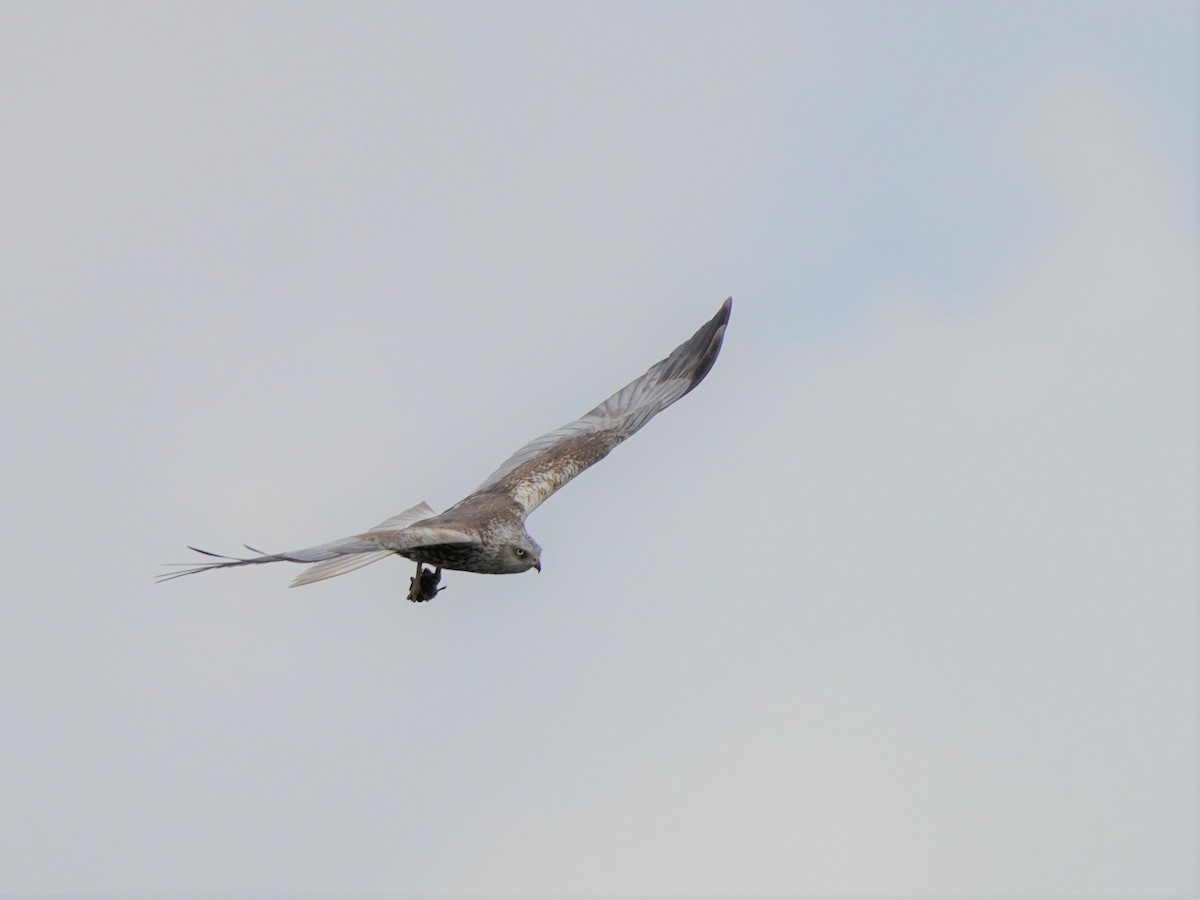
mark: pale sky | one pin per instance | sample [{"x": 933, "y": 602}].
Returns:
[{"x": 901, "y": 601}]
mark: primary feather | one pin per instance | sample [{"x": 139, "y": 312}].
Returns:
[{"x": 333, "y": 558}]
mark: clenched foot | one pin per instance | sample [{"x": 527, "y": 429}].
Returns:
[{"x": 424, "y": 585}]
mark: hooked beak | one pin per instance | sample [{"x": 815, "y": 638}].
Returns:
[{"x": 538, "y": 565}]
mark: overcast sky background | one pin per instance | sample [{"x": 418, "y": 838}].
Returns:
[{"x": 902, "y": 600}]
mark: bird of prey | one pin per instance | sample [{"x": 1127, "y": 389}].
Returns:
[{"x": 485, "y": 531}]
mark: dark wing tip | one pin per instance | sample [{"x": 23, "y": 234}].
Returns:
[{"x": 695, "y": 358}]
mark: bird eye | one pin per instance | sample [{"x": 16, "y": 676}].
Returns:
[{"x": 521, "y": 554}]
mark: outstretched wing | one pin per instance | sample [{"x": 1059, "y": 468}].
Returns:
[
  {"x": 400, "y": 532},
  {"x": 546, "y": 463}
]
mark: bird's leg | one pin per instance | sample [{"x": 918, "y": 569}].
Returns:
[
  {"x": 414, "y": 586},
  {"x": 416, "y": 593},
  {"x": 424, "y": 585}
]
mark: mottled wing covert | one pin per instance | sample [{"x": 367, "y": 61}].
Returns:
[{"x": 548, "y": 462}]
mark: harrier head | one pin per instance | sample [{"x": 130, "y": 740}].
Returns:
[{"x": 522, "y": 554}]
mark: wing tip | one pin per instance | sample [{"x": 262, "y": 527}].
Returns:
[{"x": 704, "y": 347}]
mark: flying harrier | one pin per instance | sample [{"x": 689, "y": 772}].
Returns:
[{"x": 485, "y": 532}]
